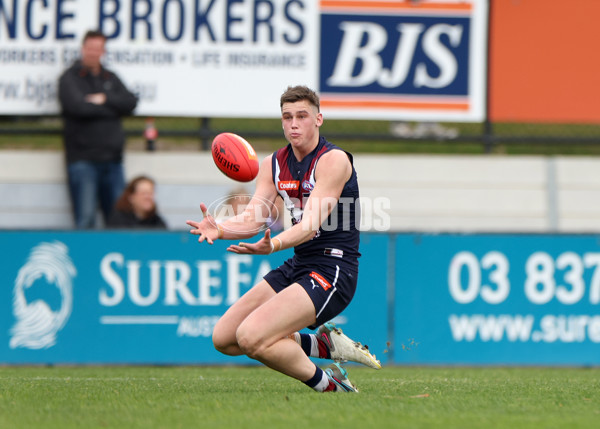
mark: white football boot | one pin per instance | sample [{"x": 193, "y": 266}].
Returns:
[
  {"x": 339, "y": 376},
  {"x": 344, "y": 349}
]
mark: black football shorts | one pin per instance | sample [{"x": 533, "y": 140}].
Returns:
[{"x": 329, "y": 284}]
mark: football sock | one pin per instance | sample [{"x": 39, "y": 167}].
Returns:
[
  {"x": 320, "y": 382},
  {"x": 323, "y": 345},
  {"x": 312, "y": 345}
]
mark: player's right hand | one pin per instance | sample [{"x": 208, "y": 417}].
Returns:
[{"x": 205, "y": 229}]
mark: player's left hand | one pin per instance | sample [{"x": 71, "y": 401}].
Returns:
[{"x": 261, "y": 247}]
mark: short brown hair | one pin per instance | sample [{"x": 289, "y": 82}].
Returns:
[
  {"x": 299, "y": 93},
  {"x": 93, "y": 34}
]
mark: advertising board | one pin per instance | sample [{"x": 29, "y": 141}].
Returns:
[
  {"x": 138, "y": 297},
  {"x": 234, "y": 58},
  {"x": 523, "y": 299},
  {"x": 422, "y": 299}
]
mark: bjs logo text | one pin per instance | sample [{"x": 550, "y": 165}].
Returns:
[{"x": 395, "y": 54}]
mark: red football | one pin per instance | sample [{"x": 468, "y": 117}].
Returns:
[{"x": 235, "y": 157}]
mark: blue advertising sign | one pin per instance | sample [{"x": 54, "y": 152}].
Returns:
[
  {"x": 140, "y": 297},
  {"x": 154, "y": 298},
  {"x": 395, "y": 55},
  {"x": 367, "y": 317},
  {"x": 498, "y": 299},
  {"x": 107, "y": 297}
]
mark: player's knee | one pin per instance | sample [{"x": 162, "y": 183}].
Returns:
[
  {"x": 249, "y": 342},
  {"x": 222, "y": 341},
  {"x": 219, "y": 343}
]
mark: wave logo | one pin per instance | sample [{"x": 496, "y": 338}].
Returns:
[{"x": 37, "y": 324}]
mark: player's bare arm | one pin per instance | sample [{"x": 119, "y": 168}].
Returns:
[
  {"x": 242, "y": 225},
  {"x": 332, "y": 172}
]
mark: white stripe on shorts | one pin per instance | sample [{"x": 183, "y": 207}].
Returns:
[{"x": 337, "y": 272}]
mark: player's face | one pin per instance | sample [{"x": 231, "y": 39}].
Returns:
[
  {"x": 301, "y": 122},
  {"x": 92, "y": 51}
]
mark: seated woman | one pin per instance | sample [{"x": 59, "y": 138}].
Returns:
[{"x": 136, "y": 207}]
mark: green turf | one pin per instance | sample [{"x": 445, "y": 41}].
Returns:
[{"x": 255, "y": 397}]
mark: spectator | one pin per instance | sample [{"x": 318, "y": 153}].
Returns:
[
  {"x": 136, "y": 207},
  {"x": 93, "y": 101}
]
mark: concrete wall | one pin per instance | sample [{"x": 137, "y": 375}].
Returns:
[{"x": 424, "y": 193}]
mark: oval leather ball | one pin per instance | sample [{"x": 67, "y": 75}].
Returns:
[{"x": 235, "y": 157}]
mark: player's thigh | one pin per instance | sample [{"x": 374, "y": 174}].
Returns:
[
  {"x": 289, "y": 311},
  {"x": 224, "y": 333}
]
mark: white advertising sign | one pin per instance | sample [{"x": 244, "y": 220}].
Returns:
[{"x": 233, "y": 58}]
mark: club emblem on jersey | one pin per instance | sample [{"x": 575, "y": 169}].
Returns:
[{"x": 307, "y": 186}]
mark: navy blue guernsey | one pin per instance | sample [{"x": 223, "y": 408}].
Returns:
[{"x": 338, "y": 236}]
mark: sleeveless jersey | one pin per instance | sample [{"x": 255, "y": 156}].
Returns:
[{"x": 338, "y": 236}]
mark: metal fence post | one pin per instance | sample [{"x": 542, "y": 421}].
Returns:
[{"x": 204, "y": 134}]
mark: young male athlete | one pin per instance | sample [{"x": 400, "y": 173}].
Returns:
[{"x": 317, "y": 182}]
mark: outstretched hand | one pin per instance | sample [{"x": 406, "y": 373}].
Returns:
[
  {"x": 261, "y": 247},
  {"x": 206, "y": 229}
]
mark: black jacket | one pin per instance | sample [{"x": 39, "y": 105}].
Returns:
[
  {"x": 93, "y": 132},
  {"x": 121, "y": 219}
]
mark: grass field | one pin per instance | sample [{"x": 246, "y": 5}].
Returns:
[{"x": 255, "y": 397}]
